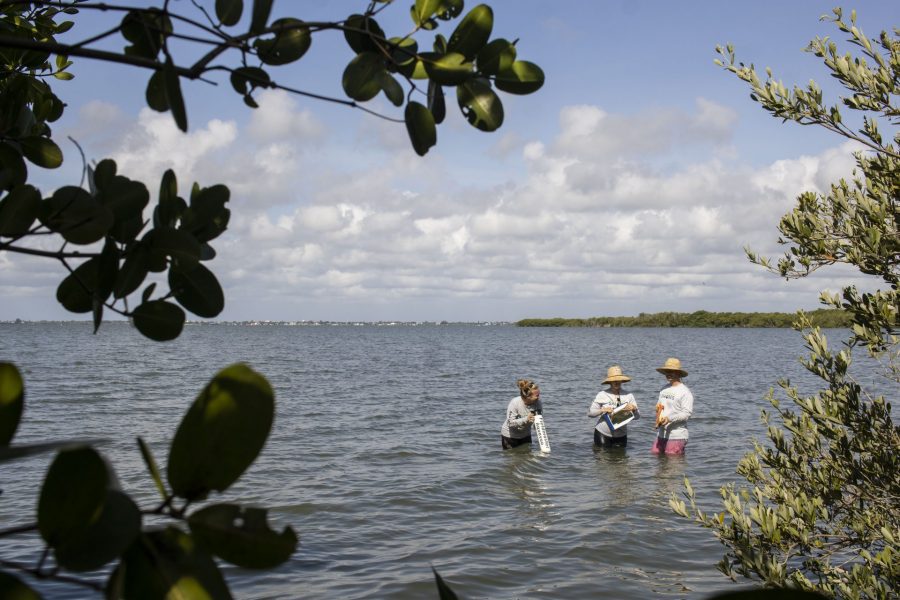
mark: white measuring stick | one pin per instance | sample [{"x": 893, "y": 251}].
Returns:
[{"x": 541, "y": 430}]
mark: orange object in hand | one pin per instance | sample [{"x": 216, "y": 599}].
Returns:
[{"x": 659, "y": 410}]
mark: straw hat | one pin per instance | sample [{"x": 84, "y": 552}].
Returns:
[
  {"x": 614, "y": 373},
  {"x": 672, "y": 364}
]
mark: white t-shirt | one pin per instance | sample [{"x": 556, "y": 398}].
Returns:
[
  {"x": 605, "y": 399},
  {"x": 678, "y": 405}
]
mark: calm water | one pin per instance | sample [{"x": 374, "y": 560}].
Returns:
[{"x": 385, "y": 453}]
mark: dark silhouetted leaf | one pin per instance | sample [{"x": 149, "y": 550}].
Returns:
[
  {"x": 198, "y": 290},
  {"x": 246, "y": 79},
  {"x": 362, "y": 77},
  {"x": 167, "y": 564},
  {"x": 222, "y": 433},
  {"x": 103, "y": 173},
  {"x": 148, "y": 291},
  {"x": 76, "y": 291},
  {"x": 12, "y": 401},
  {"x": 76, "y": 215},
  {"x": 473, "y": 32},
  {"x": 242, "y": 536},
  {"x": 480, "y": 105},
  {"x": 107, "y": 270},
  {"x": 173, "y": 94},
  {"x": 103, "y": 540},
  {"x": 497, "y": 56},
  {"x": 15, "y": 589},
  {"x": 126, "y": 200},
  {"x": 420, "y": 127},
  {"x": 178, "y": 244},
  {"x": 392, "y": 89},
  {"x": 522, "y": 78},
  {"x": 146, "y": 30},
  {"x": 261, "y": 11},
  {"x": 22, "y": 450},
  {"x": 288, "y": 45},
  {"x": 436, "y": 103},
  {"x": 42, "y": 151},
  {"x": 133, "y": 272},
  {"x": 444, "y": 591},
  {"x": 159, "y": 320},
  {"x": 18, "y": 210},
  {"x": 359, "y": 33},
  {"x": 156, "y": 92},
  {"x": 152, "y": 467},
  {"x": 206, "y": 217},
  {"x": 73, "y": 493},
  {"x": 13, "y": 171},
  {"x": 229, "y": 11}
]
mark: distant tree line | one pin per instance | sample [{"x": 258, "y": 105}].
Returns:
[{"x": 823, "y": 317}]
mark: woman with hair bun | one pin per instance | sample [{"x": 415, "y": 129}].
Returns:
[{"x": 520, "y": 413}]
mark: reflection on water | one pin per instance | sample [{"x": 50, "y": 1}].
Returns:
[
  {"x": 524, "y": 480},
  {"x": 616, "y": 477}
]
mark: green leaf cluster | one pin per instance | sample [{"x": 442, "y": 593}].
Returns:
[
  {"x": 820, "y": 511},
  {"x": 469, "y": 61},
  {"x": 88, "y": 523}
]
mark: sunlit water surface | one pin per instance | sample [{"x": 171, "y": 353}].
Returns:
[{"x": 385, "y": 453}]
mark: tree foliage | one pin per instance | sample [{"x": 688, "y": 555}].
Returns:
[
  {"x": 822, "y": 510},
  {"x": 147, "y": 260},
  {"x": 701, "y": 318}
]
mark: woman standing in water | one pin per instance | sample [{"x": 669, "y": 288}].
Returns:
[
  {"x": 516, "y": 429},
  {"x": 673, "y": 409},
  {"x": 607, "y": 401}
]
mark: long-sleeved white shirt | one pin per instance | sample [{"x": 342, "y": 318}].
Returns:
[
  {"x": 516, "y": 424},
  {"x": 605, "y": 399},
  {"x": 678, "y": 405}
]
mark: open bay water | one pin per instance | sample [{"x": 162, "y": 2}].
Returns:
[{"x": 385, "y": 451}]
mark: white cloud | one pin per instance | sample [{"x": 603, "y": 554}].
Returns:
[
  {"x": 595, "y": 223},
  {"x": 278, "y": 119}
]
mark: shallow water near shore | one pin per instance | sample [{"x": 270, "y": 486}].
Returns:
[{"x": 385, "y": 453}]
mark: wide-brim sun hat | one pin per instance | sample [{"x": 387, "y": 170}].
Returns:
[
  {"x": 614, "y": 373},
  {"x": 672, "y": 364}
]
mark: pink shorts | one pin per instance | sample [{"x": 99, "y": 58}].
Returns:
[{"x": 663, "y": 446}]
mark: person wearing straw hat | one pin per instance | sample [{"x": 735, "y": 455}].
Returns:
[
  {"x": 673, "y": 409},
  {"x": 606, "y": 402}
]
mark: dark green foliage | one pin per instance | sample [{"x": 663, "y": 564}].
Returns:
[
  {"x": 89, "y": 524},
  {"x": 241, "y": 536},
  {"x": 222, "y": 433},
  {"x": 827, "y": 318},
  {"x": 167, "y": 563},
  {"x": 444, "y": 591},
  {"x": 14, "y": 588},
  {"x": 12, "y": 399}
]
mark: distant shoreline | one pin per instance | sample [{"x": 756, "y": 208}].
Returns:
[{"x": 825, "y": 318}]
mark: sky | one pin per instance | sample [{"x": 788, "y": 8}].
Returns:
[{"x": 631, "y": 182}]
